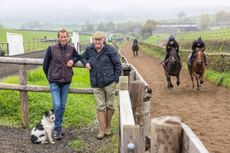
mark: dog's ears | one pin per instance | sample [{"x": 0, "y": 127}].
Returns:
[{"x": 46, "y": 113}]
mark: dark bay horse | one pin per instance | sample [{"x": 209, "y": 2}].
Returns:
[
  {"x": 197, "y": 68},
  {"x": 172, "y": 67},
  {"x": 135, "y": 49}
]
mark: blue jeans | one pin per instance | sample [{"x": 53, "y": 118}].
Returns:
[{"x": 59, "y": 92}]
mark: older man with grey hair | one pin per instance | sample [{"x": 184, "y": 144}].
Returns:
[{"x": 103, "y": 62}]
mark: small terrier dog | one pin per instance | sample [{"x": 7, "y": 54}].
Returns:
[{"x": 43, "y": 130}]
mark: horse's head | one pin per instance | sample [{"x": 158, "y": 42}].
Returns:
[
  {"x": 173, "y": 58},
  {"x": 199, "y": 56}
]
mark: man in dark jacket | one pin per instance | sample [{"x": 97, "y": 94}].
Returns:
[
  {"x": 57, "y": 66},
  {"x": 103, "y": 62},
  {"x": 198, "y": 44},
  {"x": 172, "y": 43}
]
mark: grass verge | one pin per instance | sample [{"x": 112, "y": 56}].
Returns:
[
  {"x": 78, "y": 145},
  {"x": 80, "y": 109}
]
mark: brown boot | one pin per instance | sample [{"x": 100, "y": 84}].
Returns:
[
  {"x": 102, "y": 124},
  {"x": 109, "y": 115}
]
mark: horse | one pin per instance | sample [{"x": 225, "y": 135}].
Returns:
[
  {"x": 197, "y": 68},
  {"x": 135, "y": 49},
  {"x": 172, "y": 68}
]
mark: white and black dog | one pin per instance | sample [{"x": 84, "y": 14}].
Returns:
[{"x": 43, "y": 130}]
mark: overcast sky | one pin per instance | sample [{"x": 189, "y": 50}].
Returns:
[{"x": 107, "y": 5}]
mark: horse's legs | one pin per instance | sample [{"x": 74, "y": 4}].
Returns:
[
  {"x": 178, "y": 80},
  {"x": 202, "y": 78},
  {"x": 168, "y": 78},
  {"x": 197, "y": 81},
  {"x": 192, "y": 78},
  {"x": 133, "y": 53},
  {"x": 137, "y": 52},
  {"x": 169, "y": 82}
]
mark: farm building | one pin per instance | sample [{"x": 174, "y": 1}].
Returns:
[{"x": 175, "y": 27}]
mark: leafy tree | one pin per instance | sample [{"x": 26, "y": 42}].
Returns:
[{"x": 148, "y": 28}]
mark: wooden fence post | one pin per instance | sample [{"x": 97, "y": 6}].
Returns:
[
  {"x": 124, "y": 83},
  {"x": 131, "y": 139},
  {"x": 166, "y": 133},
  {"x": 136, "y": 90},
  {"x": 24, "y": 96},
  {"x": 133, "y": 142},
  {"x": 141, "y": 109}
]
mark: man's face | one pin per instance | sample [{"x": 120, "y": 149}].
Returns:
[
  {"x": 98, "y": 43},
  {"x": 63, "y": 38}
]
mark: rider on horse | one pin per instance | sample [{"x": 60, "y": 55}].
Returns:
[
  {"x": 172, "y": 43},
  {"x": 135, "y": 41},
  {"x": 198, "y": 44}
]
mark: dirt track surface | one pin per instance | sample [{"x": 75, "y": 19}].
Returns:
[{"x": 206, "y": 112}]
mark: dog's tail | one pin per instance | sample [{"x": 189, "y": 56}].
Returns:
[{"x": 34, "y": 139}]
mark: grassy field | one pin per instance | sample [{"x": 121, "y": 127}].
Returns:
[
  {"x": 27, "y": 35},
  {"x": 32, "y": 39},
  {"x": 220, "y": 34},
  {"x": 30, "y": 35},
  {"x": 80, "y": 109},
  {"x": 156, "y": 39},
  {"x": 216, "y": 40}
]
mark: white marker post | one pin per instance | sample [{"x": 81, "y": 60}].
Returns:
[
  {"x": 76, "y": 40},
  {"x": 90, "y": 40},
  {"x": 15, "y": 42}
]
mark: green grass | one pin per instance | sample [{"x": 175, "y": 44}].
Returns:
[
  {"x": 220, "y": 34},
  {"x": 84, "y": 38},
  {"x": 78, "y": 145},
  {"x": 150, "y": 51},
  {"x": 30, "y": 35},
  {"x": 80, "y": 109},
  {"x": 27, "y": 35},
  {"x": 216, "y": 40},
  {"x": 34, "y": 35},
  {"x": 219, "y": 79},
  {"x": 156, "y": 39}
]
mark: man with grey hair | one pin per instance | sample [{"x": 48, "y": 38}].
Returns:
[{"x": 105, "y": 67}]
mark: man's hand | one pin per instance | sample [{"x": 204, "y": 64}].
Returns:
[
  {"x": 70, "y": 63},
  {"x": 88, "y": 66}
]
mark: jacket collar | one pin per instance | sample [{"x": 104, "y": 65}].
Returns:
[{"x": 59, "y": 44}]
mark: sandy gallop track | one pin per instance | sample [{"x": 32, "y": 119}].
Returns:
[{"x": 207, "y": 111}]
